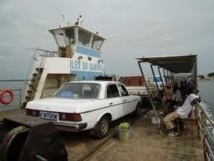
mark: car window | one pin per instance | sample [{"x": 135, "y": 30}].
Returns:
[
  {"x": 78, "y": 90},
  {"x": 122, "y": 90},
  {"x": 90, "y": 90},
  {"x": 112, "y": 91},
  {"x": 66, "y": 91}
]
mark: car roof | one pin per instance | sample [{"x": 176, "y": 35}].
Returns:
[{"x": 93, "y": 81}]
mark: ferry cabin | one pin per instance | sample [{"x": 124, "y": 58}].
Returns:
[{"x": 78, "y": 58}]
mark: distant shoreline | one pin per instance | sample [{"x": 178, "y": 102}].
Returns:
[
  {"x": 205, "y": 80},
  {"x": 13, "y": 80}
]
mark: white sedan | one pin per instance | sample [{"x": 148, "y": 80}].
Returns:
[{"x": 86, "y": 105}]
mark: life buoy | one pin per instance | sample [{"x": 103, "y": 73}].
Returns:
[{"x": 3, "y": 99}]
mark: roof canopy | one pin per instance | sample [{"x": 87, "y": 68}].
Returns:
[{"x": 174, "y": 64}]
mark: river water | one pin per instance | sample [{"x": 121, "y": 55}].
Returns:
[{"x": 206, "y": 91}]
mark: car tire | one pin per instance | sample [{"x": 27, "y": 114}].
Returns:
[
  {"x": 137, "y": 111},
  {"x": 102, "y": 127}
]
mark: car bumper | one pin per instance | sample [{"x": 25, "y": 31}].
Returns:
[{"x": 70, "y": 128}]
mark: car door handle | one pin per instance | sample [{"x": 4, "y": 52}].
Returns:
[{"x": 111, "y": 103}]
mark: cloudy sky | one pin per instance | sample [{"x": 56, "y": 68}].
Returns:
[{"x": 133, "y": 29}]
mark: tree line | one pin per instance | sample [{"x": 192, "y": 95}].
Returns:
[{"x": 211, "y": 75}]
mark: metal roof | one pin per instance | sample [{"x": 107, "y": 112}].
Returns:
[
  {"x": 175, "y": 64},
  {"x": 97, "y": 36}
]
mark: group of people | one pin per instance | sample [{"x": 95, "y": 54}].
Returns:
[{"x": 181, "y": 105}]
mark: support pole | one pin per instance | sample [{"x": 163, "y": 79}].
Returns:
[
  {"x": 150, "y": 98},
  {"x": 161, "y": 79},
  {"x": 153, "y": 73}
]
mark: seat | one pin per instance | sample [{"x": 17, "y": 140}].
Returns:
[{"x": 180, "y": 125}]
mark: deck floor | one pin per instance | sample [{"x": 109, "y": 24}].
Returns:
[{"x": 146, "y": 144}]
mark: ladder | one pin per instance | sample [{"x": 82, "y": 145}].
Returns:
[{"x": 33, "y": 83}]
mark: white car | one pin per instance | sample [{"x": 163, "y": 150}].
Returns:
[{"x": 86, "y": 105}]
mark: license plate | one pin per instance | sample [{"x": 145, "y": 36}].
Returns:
[{"x": 48, "y": 115}]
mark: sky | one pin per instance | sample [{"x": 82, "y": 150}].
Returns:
[{"x": 132, "y": 29}]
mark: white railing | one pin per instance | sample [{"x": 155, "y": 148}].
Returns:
[{"x": 206, "y": 131}]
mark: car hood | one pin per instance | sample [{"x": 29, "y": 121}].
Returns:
[{"x": 60, "y": 105}]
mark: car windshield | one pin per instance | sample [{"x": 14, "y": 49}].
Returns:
[{"x": 78, "y": 90}]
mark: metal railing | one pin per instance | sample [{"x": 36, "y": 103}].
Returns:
[
  {"x": 43, "y": 53},
  {"x": 18, "y": 93},
  {"x": 16, "y": 103},
  {"x": 206, "y": 131}
]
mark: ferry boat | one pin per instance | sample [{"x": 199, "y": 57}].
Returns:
[{"x": 79, "y": 58}]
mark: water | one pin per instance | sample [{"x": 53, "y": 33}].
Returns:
[
  {"x": 206, "y": 91},
  {"x": 12, "y": 85}
]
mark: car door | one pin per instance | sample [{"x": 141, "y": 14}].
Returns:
[
  {"x": 114, "y": 101},
  {"x": 127, "y": 100}
]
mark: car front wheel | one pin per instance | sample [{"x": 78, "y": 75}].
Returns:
[{"x": 102, "y": 127}]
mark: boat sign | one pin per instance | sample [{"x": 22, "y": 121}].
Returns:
[
  {"x": 48, "y": 115},
  {"x": 85, "y": 66}
]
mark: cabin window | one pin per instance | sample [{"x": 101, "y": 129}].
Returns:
[
  {"x": 96, "y": 44},
  {"x": 70, "y": 35},
  {"x": 84, "y": 38},
  {"x": 60, "y": 39}
]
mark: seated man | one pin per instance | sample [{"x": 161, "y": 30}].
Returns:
[
  {"x": 181, "y": 112},
  {"x": 176, "y": 99}
]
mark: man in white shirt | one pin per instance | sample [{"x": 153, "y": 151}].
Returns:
[{"x": 182, "y": 111}]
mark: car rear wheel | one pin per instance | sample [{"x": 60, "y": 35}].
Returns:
[
  {"x": 137, "y": 111},
  {"x": 102, "y": 127}
]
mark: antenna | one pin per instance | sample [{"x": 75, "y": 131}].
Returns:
[
  {"x": 63, "y": 17},
  {"x": 63, "y": 20}
]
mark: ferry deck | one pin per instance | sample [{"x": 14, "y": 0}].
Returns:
[{"x": 147, "y": 141}]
